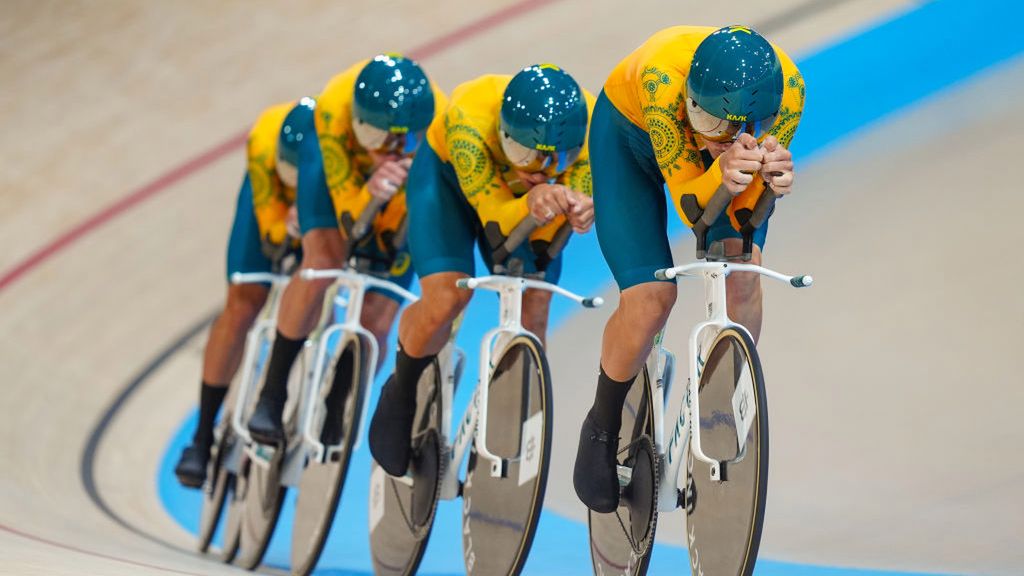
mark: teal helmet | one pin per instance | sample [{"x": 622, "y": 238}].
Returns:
[
  {"x": 297, "y": 126},
  {"x": 543, "y": 118},
  {"x": 734, "y": 85},
  {"x": 393, "y": 104}
]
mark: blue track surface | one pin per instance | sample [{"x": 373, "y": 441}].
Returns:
[{"x": 851, "y": 85}]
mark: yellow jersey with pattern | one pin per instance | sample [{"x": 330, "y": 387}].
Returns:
[
  {"x": 649, "y": 88},
  {"x": 467, "y": 137},
  {"x": 347, "y": 165},
  {"x": 271, "y": 199}
]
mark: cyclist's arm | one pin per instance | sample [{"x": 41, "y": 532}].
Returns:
[
  {"x": 673, "y": 143},
  {"x": 339, "y": 174},
  {"x": 268, "y": 198},
  {"x": 784, "y": 129},
  {"x": 480, "y": 180}
]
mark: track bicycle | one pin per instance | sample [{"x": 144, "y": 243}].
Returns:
[
  {"x": 721, "y": 434},
  {"x": 506, "y": 431},
  {"x": 327, "y": 402},
  {"x": 220, "y": 491}
]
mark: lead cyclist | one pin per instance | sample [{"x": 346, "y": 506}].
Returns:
[{"x": 695, "y": 110}]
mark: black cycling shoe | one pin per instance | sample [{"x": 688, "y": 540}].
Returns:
[
  {"x": 265, "y": 424},
  {"x": 391, "y": 431},
  {"x": 596, "y": 477},
  {"x": 191, "y": 468}
]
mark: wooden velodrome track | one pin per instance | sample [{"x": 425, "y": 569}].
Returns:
[{"x": 895, "y": 402}]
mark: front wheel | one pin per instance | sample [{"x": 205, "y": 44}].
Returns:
[
  {"x": 321, "y": 483},
  {"x": 725, "y": 515},
  {"x": 500, "y": 513}
]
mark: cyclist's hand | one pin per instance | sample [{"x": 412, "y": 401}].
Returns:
[
  {"x": 389, "y": 177},
  {"x": 777, "y": 167},
  {"x": 291, "y": 222},
  {"x": 547, "y": 201},
  {"x": 581, "y": 211},
  {"x": 739, "y": 164}
]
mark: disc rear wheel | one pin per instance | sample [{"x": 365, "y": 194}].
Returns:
[
  {"x": 218, "y": 485},
  {"x": 725, "y": 516},
  {"x": 621, "y": 542},
  {"x": 402, "y": 509}
]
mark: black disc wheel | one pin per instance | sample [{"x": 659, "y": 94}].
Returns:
[
  {"x": 500, "y": 512},
  {"x": 322, "y": 482},
  {"x": 621, "y": 542},
  {"x": 402, "y": 509},
  {"x": 219, "y": 482},
  {"x": 725, "y": 515}
]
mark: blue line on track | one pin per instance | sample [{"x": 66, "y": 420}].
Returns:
[{"x": 852, "y": 84}]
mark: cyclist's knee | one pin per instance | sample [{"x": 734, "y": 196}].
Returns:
[
  {"x": 323, "y": 249},
  {"x": 742, "y": 287},
  {"x": 442, "y": 300},
  {"x": 243, "y": 306},
  {"x": 648, "y": 305}
]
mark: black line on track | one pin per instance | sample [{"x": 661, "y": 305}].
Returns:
[{"x": 87, "y": 469}]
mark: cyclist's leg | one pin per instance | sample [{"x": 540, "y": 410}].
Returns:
[
  {"x": 379, "y": 311},
  {"x": 631, "y": 217},
  {"x": 301, "y": 303},
  {"x": 441, "y": 237},
  {"x": 381, "y": 306},
  {"x": 537, "y": 303},
  {"x": 743, "y": 289},
  {"x": 226, "y": 341}
]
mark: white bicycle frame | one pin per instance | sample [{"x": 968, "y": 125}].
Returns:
[
  {"x": 348, "y": 290},
  {"x": 266, "y": 322},
  {"x": 473, "y": 425},
  {"x": 660, "y": 367}
]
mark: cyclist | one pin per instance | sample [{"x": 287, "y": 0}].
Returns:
[
  {"x": 264, "y": 233},
  {"x": 693, "y": 110},
  {"x": 507, "y": 147},
  {"x": 369, "y": 122}
]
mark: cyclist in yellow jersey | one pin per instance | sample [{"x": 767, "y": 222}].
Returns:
[
  {"x": 265, "y": 232},
  {"x": 695, "y": 110},
  {"x": 506, "y": 148},
  {"x": 369, "y": 121}
]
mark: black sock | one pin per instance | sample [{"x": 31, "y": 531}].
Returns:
[
  {"x": 407, "y": 374},
  {"x": 282, "y": 356},
  {"x": 611, "y": 394},
  {"x": 210, "y": 399}
]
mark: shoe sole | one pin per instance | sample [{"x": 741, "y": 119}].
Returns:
[
  {"x": 190, "y": 481},
  {"x": 268, "y": 439}
]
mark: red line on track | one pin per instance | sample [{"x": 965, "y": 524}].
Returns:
[
  {"x": 93, "y": 554},
  {"x": 173, "y": 176}
]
